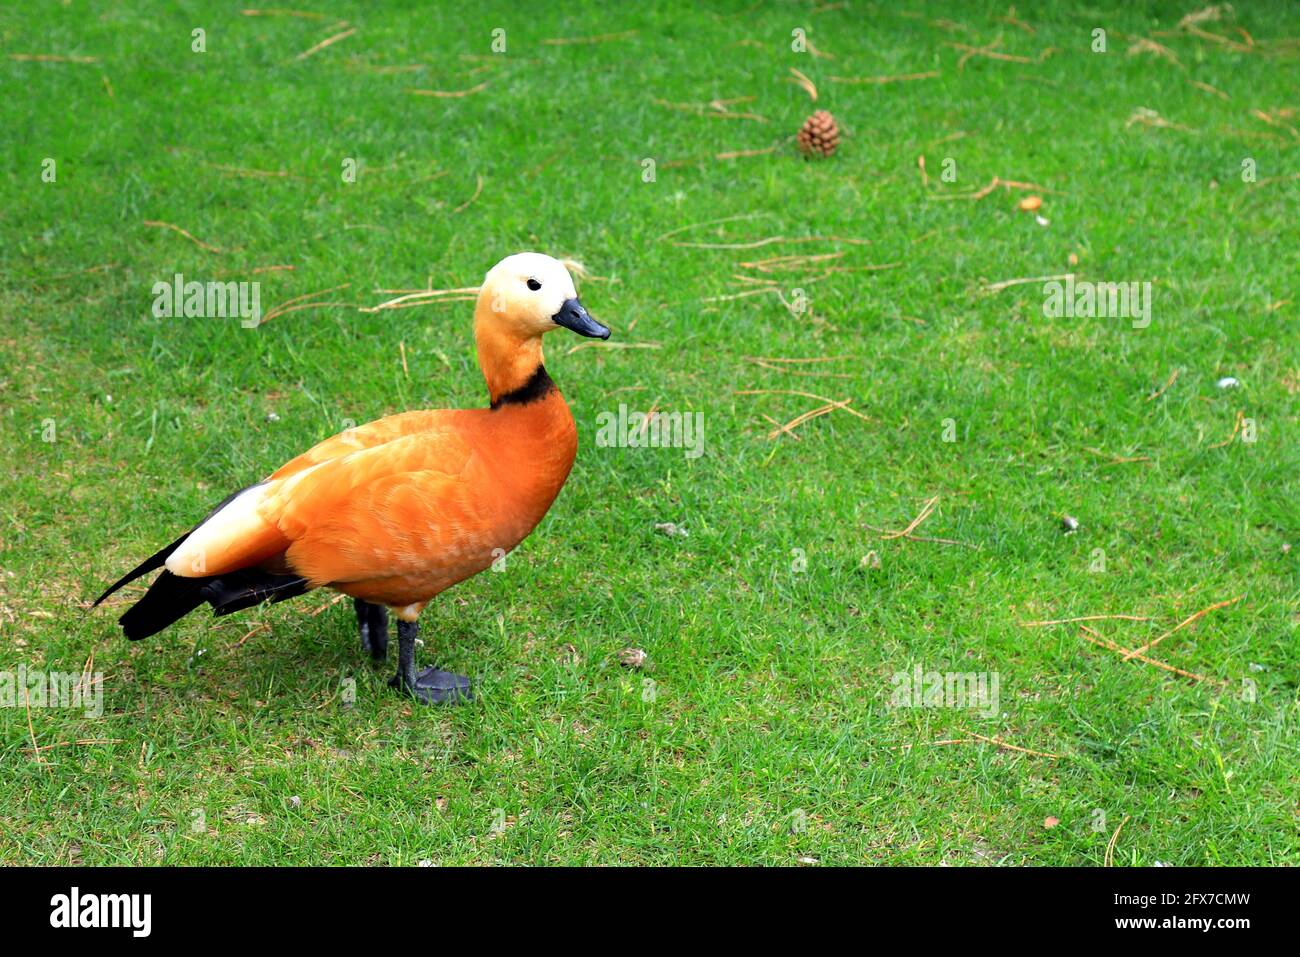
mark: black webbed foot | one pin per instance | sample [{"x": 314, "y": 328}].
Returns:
[
  {"x": 436, "y": 687},
  {"x": 430, "y": 686}
]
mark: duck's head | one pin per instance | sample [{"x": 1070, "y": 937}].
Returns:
[
  {"x": 528, "y": 294},
  {"x": 523, "y": 297}
]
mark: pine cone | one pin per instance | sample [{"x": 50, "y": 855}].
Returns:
[{"x": 819, "y": 134}]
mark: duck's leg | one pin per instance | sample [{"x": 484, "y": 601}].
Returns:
[
  {"x": 372, "y": 623},
  {"x": 430, "y": 685}
]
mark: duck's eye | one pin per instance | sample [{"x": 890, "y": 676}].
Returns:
[{"x": 534, "y": 285}]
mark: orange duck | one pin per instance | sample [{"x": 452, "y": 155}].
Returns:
[{"x": 396, "y": 511}]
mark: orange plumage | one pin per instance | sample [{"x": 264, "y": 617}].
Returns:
[
  {"x": 401, "y": 520},
  {"x": 398, "y": 510}
]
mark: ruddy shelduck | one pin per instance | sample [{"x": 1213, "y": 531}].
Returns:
[{"x": 394, "y": 512}]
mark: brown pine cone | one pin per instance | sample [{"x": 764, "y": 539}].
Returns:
[{"x": 819, "y": 134}]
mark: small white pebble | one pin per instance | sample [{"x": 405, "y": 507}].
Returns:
[
  {"x": 632, "y": 657},
  {"x": 272, "y": 417},
  {"x": 671, "y": 529},
  {"x": 108, "y": 398},
  {"x": 1228, "y": 382}
]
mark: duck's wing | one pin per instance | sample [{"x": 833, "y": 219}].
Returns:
[
  {"x": 313, "y": 508},
  {"x": 261, "y": 523},
  {"x": 366, "y": 436},
  {"x": 421, "y": 501}
]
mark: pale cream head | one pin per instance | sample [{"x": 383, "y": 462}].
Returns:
[
  {"x": 523, "y": 297},
  {"x": 524, "y": 293}
]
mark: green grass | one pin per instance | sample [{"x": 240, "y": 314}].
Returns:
[{"x": 769, "y": 736}]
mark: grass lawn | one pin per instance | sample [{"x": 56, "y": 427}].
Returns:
[{"x": 764, "y": 725}]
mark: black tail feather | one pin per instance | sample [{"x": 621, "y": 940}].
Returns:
[
  {"x": 145, "y": 567},
  {"x": 249, "y": 587},
  {"x": 170, "y": 598}
]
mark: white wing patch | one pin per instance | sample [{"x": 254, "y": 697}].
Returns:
[{"x": 235, "y": 520}]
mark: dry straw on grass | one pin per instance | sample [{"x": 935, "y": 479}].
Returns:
[
  {"x": 808, "y": 86},
  {"x": 302, "y": 14},
  {"x": 600, "y": 38},
  {"x": 296, "y": 304},
  {"x": 783, "y": 365},
  {"x": 1109, "y": 859},
  {"x": 424, "y": 297},
  {"x": 52, "y": 58},
  {"x": 327, "y": 42},
  {"x": 773, "y": 240},
  {"x": 909, "y": 532},
  {"x": 712, "y": 222},
  {"x": 973, "y": 738},
  {"x": 994, "y": 183},
  {"x": 1236, "y": 427},
  {"x": 806, "y": 395},
  {"x": 990, "y": 51},
  {"x": 478, "y": 189},
  {"x": 603, "y": 345},
  {"x": 730, "y": 155},
  {"x": 717, "y": 109},
  {"x": 450, "y": 94},
  {"x": 1145, "y": 45},
  {"x": 1092, "y": 635},
  {"x": 1181, "y": 625},
  {"x": 1168, "y": 382},
  {"x": 158, "y": 224},
  {"x": 995, "y": 287},
  {"x": 1210, "y": 89},
  {"x": 881, "y": 80},
  {"x": 798, "y": 420},
  {"x": 248, "y": 173},
  {"x": 1068, "y": 621},
  {"x": 1144, "y": 116}
]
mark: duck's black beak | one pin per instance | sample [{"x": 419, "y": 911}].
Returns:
[{"x": 573, "y": 316}]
